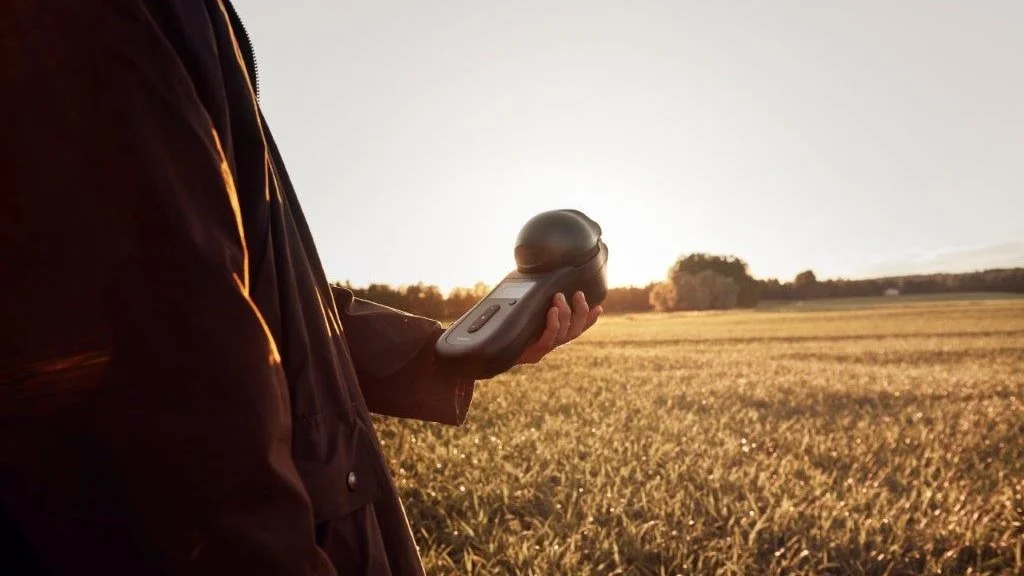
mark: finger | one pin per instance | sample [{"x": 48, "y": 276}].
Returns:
[
  {"x": 564, "y": 317},
  {"x": 595, "y": 313},
  {"x": 536, "y": 351},
  {"x": 580, "y": 315},
  {"x": 550, "y": 335}
]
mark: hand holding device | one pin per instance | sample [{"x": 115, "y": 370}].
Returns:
[{"x": 556, "y": 251}]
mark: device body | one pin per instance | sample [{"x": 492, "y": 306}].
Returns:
[{"x": 558, "y": 251}]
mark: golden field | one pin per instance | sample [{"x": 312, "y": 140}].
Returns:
[{"x": 879, "y": 438}]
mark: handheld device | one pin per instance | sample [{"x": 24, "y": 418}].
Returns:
[{"x": 556, "y": 251}]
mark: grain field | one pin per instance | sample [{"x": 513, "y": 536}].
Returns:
[{"x": 866, "y": 440}]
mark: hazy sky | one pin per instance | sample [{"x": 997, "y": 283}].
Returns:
[{"x": 854, "y": 138}]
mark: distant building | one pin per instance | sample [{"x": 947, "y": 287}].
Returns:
[{"x": 891, "y": 292}]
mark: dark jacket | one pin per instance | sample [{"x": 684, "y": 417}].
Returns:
[{"x": 181, "y": 391}]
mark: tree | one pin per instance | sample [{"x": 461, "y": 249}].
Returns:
[
  {"x": 691, "y": 293},
  {"x": 723, "y": 290},
  {"x": 663, "y": 296},
  {"x": 707, "y": 290},
  {"x": 772, "y": 289},
  {"x": 461, "y": 300},
  {"x": 424, "y": 300},
  {"x": 628, "y": 299},
  {"x": 805, "y": 284},
  {"x": 728, "y": 266}
]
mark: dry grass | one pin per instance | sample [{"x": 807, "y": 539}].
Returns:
[{"x": 868, "y": 441}]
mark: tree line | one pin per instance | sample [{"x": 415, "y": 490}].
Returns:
[
  {"x": 422, "y": 299},
  {"x": 710, "y": 282},
  {"x": 806, "y": 286},
  {"x": 706, "y": 282}
]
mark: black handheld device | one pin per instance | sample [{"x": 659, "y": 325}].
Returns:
[{"x": 556, "y": 251}]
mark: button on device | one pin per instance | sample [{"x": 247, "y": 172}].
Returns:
[
  {"x": 353, "y": 481},
  {"x": 484, "y": 317}
]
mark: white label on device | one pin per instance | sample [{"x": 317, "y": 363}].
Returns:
[{"x": 512, "y": 289}]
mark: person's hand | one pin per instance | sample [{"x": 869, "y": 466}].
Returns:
[{"x": 564, "y": 325}]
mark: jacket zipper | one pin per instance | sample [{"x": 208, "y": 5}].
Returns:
[{"x": 245, "y": 45}]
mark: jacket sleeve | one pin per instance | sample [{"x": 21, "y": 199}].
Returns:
[
  {"x": 144, "y": 420},
  {"x": 393, "y": 353}
]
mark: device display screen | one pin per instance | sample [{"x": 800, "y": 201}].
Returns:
[{"x": 512, "y": 289}]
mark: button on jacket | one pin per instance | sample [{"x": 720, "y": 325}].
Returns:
[{"x": 181, "y": 390}]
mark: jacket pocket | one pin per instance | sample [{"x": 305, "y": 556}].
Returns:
[{"x": 340, "y": 466}]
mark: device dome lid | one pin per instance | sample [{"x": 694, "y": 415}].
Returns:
[{"x": 556, "y": 238}]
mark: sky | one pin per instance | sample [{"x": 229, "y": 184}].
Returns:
[{"x": 855, "y": 138}]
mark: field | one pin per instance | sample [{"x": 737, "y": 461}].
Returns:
[{"x": 867, "y": 440}]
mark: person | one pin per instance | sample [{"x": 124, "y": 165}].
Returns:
[{"x": 181, "y": 390}]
